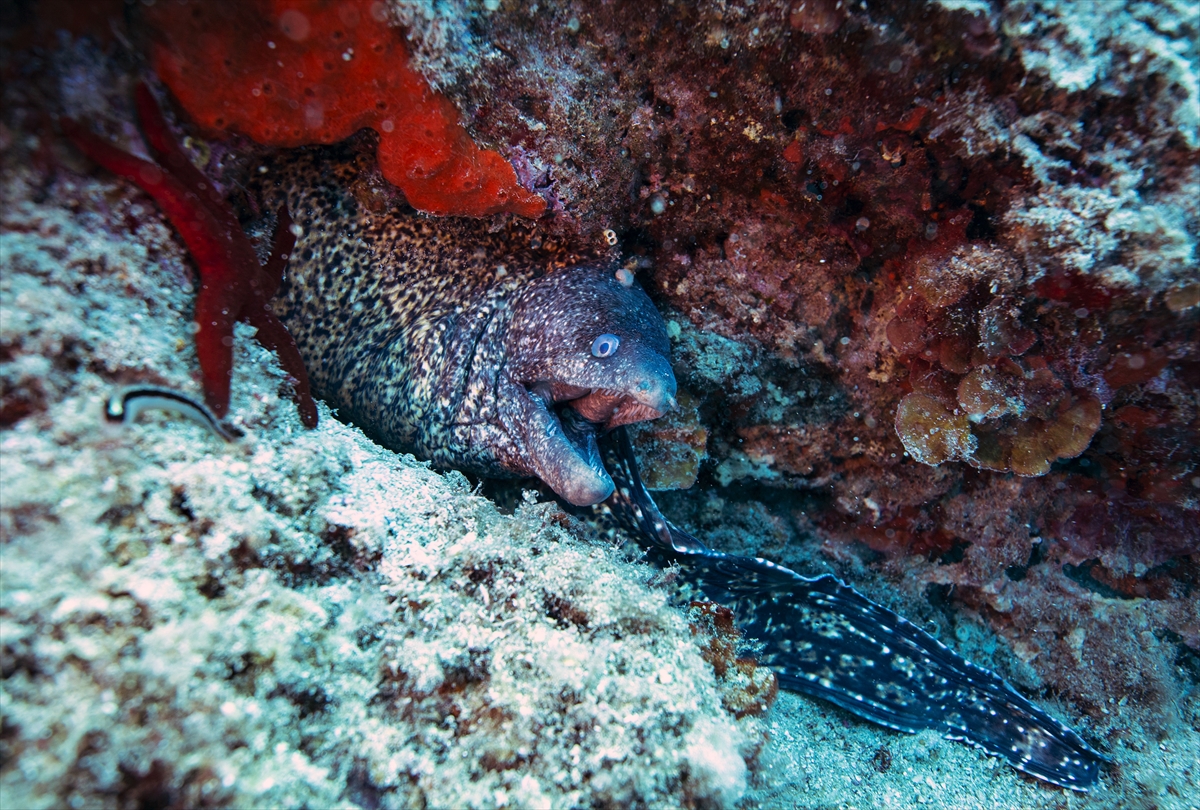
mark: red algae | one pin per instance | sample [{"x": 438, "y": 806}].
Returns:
[
  {"x": 747, "y": 689},
  {"x": 287, "y": 73}
]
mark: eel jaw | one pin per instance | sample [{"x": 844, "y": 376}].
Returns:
[
  {"x": 560, "y": 448},
  {"x": 566, "y": 456}
]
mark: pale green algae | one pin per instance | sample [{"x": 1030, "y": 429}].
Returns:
[{"x": 303, "y": 618}]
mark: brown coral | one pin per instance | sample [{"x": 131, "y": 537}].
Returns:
[
  {"x": 933, "y": 433},
  {"x": 672, "y": 446},
  {"x": 979, "y": 394}
]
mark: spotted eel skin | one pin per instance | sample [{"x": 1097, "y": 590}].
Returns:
[
  {"x": 825, "y": 639},
  {"x": 471, "y": 347},
  {"x": 453, "y": 341}
]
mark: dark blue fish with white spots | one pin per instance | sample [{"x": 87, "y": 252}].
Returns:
[
  {"x": 825, "y": 639},
  {"x": 489, "y": 350}
]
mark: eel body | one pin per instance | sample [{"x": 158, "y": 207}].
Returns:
[
  {"x": 825, "y": 639},
  {"x": 457, "y": 343},
  {"x": 477, "y": 349}
]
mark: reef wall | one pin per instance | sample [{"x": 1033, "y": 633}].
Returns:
[{"x": 932, "y": 279}]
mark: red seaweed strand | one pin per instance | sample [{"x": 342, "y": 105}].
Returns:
[
  {"x": 233, "y": 286},
  {"x": 281, "y": 249}
]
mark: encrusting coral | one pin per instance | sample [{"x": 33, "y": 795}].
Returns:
[{"x": 986, "y": 388}]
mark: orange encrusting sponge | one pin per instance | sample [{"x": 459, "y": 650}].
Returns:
[{"x": 295, "y": 72}]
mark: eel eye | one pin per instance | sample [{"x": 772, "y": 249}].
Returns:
[{"x": 605, "y": 345}]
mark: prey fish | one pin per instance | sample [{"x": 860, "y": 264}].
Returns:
[{"x": 825, "y": 639}]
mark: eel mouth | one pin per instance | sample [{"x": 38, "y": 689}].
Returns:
[
  {"x": 615, "y": 408},
  {"x": 604, "y": 407},
  {"x": 565, "y": 453}
]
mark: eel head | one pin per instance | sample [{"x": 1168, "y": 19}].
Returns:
[{"x": 588, "y": 352}]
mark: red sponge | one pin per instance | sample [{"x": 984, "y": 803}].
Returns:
[{"x": 296, "y": 72}]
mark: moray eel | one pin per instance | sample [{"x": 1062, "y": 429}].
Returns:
[
  {"x": 458, "y": 343},
  {"x": 825, "y": 639},
  {"x": 492, "y": 351}
]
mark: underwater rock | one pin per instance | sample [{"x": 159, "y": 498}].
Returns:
[{"x": 863, "y": 160}]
